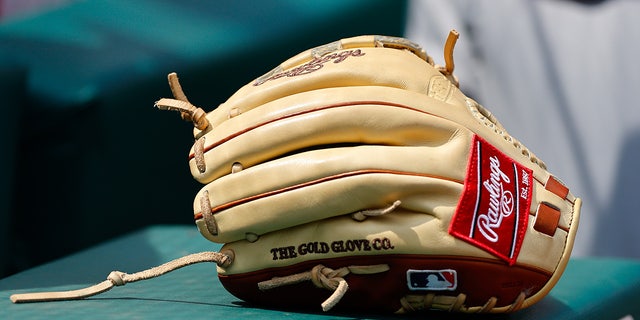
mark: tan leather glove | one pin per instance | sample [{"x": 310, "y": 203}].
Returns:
[{"x": 360, "y": 168}]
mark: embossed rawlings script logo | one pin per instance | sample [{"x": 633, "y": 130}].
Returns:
[
  {"x": 309, "y": 67},
  {"x": 494, "y": 207},
  {"x": 500, "y": 202}
]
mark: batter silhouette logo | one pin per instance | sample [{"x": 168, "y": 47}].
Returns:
[
  {"x": 432, "y": 280},
  {"x": 493, "y": 210}
]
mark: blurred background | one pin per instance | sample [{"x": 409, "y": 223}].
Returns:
[{"x": 84, "y": 157}]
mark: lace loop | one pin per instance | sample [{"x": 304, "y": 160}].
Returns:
[
  {"x": 198, "y": 154},
  {"x": 364, "y": 214},
  {"x": 324, "y": 277}
]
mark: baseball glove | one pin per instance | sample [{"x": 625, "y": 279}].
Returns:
[
  {"x": 361, "y": 165},
  {"x": 357, "y": 175}
]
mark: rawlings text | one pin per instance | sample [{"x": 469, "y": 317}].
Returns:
[
  {"x": 494, "y": 207},
  {"x": 500, "y": 202},
  {"x": 311, "y": 66}
]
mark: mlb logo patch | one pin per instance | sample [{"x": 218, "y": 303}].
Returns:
[{"x": 433, "y": 280}]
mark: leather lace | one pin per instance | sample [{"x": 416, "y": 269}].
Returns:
[
  {"x": 118, "y": 278},
  {"x": 324, "y": 277},
  {"x": 413, "y": 303}
]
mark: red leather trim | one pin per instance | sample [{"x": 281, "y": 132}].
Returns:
[
  {"x": 478, "y": 278},
  {"x": 556, "y": 187},
  {"x": 547, "y": 219}
]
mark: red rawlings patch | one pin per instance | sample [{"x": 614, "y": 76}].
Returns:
[{"x": 493, "y": 210}]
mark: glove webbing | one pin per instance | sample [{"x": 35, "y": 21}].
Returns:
[{"x": 118, "y": 278}]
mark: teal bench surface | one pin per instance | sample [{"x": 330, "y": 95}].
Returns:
[{"x": 589, "y": 289}]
